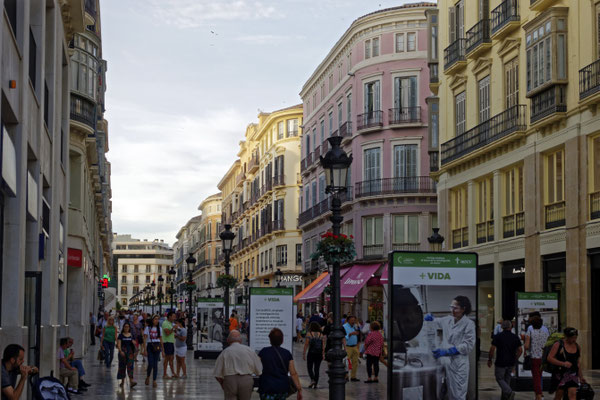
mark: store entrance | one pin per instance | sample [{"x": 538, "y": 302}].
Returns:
[
  {"x": 595, "y": 294},
  {"x": 513, "y": 281}
]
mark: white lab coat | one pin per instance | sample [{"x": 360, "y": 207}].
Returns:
[{"x": 462, "y": 336}]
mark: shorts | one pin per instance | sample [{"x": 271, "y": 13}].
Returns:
[
  {"x": 169, "y": 348},
  {"x": 181, "y": 351}
]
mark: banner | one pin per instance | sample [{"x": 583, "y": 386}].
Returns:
[
  {"x": 271, "y": 308},
  {"x": 431, "y": 314},
  {"x": 210, "y": 312},
  {"x": 529, "y": 304}
]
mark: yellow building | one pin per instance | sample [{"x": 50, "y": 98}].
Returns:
[
  {"x": 519, "y": 176},
  {"x": 260, "y": 199}
]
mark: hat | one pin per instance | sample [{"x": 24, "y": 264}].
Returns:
[{"x": 506, "y": 324}]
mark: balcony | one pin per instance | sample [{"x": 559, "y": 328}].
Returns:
[
  {"x": 372, "y": 251},
  {"x": 345, "y": 129},
  {"x": 539, "y": 5},
  {"x": 239, "y": 179},
  {"x": 454, "y": 55},
  {"x": 278, "y": 225},
  {"x": 400, "y": 185},
  {"x": 490, "y": 131},
  {"x": 595, "y": 205},
  {"x": 253, "y": 163},
  {"x": 266, "y": 188},
  {"x": 292, "y": 133},
  {"x": 505, "y": 18},
  {"x": 322, "y": 207},
  {"x": 485, "y": 232},
  {"x": 460, "y": 237},
  {"x": 279, "y": 180},
  {"x": 83, "y": 110},
  {"x": 513, "y": 225},
  {"x": 589, "y": 80},
  {"x": 434, "y": 161},
  {"x": 317, "y": 153},
  {"x": 549, "y": 102},
  {"x": 555, "y": 215},
  {"x": 478, "y": 38},
  {"x": 306, "y": 162},
  {"x": 371, "y": 119},
  {"x": 406, "y": 246},
  {"x": 434, "y": 76},
  {"x": 404, "y": 115}
]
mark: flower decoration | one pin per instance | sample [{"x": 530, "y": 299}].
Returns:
[
  {"x": 335, "y": 248},
  {"x": 226, "y": 281}
]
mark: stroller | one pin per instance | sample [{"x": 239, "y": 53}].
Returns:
[{"x": 47, "y": 388}]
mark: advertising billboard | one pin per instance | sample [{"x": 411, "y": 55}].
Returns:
[
  {"x": 210, "y": 314},
  {"x": 271, "y": 308},
  {"x": 431, "y": 314}
]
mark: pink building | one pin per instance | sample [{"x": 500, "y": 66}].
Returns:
[{"x": 372, "y": 89}]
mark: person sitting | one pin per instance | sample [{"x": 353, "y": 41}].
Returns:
[
  {"x": 12, "y": 366},
  {"x": 66, "y": 370},
  {"x": 70, "y": 354}
]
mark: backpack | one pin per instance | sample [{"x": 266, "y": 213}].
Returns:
[
  {"x": 315, "y": 344},
  {"x": 546, "y": 366},
  {"x": 47, "y": 388}
]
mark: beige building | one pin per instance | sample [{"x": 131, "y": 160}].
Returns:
[
  {"x": 260, "y": 199},
  {"x": 519, "y": 177},
  {"x": 181, "y": 250}
]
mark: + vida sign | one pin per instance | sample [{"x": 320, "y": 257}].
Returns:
[{"x": 441, "y": 269}]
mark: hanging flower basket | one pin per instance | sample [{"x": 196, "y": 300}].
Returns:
[
  {"x": 226, "y": 281},
  {"x": 335, "y": 248},
  {"x": 190, "y": 285}
]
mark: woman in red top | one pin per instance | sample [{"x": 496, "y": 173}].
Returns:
[{"x": 373, "y": 350}]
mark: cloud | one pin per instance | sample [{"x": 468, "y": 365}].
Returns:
[{"x": 195, "y": 13}]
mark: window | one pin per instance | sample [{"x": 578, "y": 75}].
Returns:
[
  {"x": 148, "y": 269},
  {"x": 298, "y": 253},
  {"x": 459, "y": 217},
  {"x": 460, "y": 113},
  {"x": 278, "y": 210},
  {"x": 340, "y": 115},
  {"x": 314, "y": 193},
  {"x": 399, "y": 42},
  {"x": 375, "y": 43},
  {"x": 513, "y": 219},
  {"x": 511, "y": 82},
  {"x": 434, "y": 41},
  {"x": 330, "y": 123},
  {"x": 456, "y": 20},
  {"x": 281, "y": 255},
  {"x": 405, "y": 162},
  {"x": 308, "y": 141},
  {"x": 124, "y": 301},
  {"x": 484, "y": 99},
  {"x": 405, "y": 99},
  {"x": 135, "y": 269},
  {"x": 292, "y": 127},
  {"x": 136, "y": 279},
  {"x": 485, "y": 210},
  {"x": 367, "y": 49},
  {"x": 372, "y": 236},
  {"x": 406, "y": 229},
  {"x": 597, "y": 20},
  {"x": 124, "y": 269},
  {"x": 136, "y": 289},
  {"x": 372, "y": 164},
  {"x": 124, "y": 279},
  {"x": 411, "y": 41},
  {"x": 280, "y": 130},
  {"x": 349, "y": 107},
  {"x": 554, "y": 173},
  {"x": 594, "y": 176},
  {"x": 434, "y": 126},
  {"x": 322, "y": 126},
  {"x": 147, "y": 278},
  {"x": 11, "y": 10},
  {"x": 322, "y": 195},
  {"x": 32, "y": 58},
  {"x": 123, "y": 290},
  {"x": 372, "y": 97},
  {"x": 84, "y": 67}
]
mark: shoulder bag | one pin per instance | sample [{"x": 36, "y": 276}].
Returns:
[{"x": 291, "y": 385}]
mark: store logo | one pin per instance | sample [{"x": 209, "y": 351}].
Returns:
[
  {"x": 436, "y": 276},
  {"x": 291, "y": 278}
]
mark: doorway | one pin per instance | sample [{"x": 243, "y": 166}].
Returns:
[
  {"x": 33, "y": 315},
  {"x": 595, "y": 300},
  {"x": 513, "y": 281}
]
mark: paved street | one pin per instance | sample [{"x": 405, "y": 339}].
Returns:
[{"x": 200, "y": 383}]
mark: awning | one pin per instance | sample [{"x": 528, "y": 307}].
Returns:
[
  {"x": 355, "y": 279},
  {"x": 313, "y": 294},
  {"x": 384, "y": 274},
  {"x": 310, "y": 286}
]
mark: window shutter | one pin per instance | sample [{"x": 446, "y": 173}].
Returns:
[
  {"x": 413, "y": 91},
  {"x": 367, "y": 86},
  {"x": 452, "y": 25},
  {"x": 411, "y": 160},
  {"x": 377, "y": 99},
  {"x": 397, "y": 93}
]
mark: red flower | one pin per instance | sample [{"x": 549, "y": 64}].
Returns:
[
  {"x": 344, "y": 236},
  {"x": 335, "y": 236},
  {"x": 351, "y": 237}
]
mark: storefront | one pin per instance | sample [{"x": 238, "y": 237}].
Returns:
[
  {"x": 595, "y": 302},
  {"x": 513, "y": 281},
  {"x": 555, "y": 280},
  {"x": 485, "y": 288}
]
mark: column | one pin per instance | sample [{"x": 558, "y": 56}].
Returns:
[
  {"x": 534, "y": 220},
  {"x": 472, "y": 206},
  {"x": 497, "y": 199}
]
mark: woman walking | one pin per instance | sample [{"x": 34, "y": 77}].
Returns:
[
  {"x": 566, "y": 354},
  {"x": 373, "y": 350},
  {"x": 537, "y": 334},
  {"x": 126, "y": 344},
  {"x": 277, "y": 364},
  {"x": 315, "y": 344},
  {"x": 109, "y": 336},
  {"x": 153, "y": 347}
]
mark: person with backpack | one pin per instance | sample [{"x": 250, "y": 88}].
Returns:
[
  {"x": 536, "y": 337},
  {"x": 565, "y": 356},
  {"x": 374, "y": 350},
  {"x": 315, "y": 344}
]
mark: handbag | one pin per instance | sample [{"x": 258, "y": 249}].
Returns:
[
  {"x": 155, "y": 347},
  {"x": 585, "y": 392},
  {"x": 100, "y": 355},
  {"x": 527, "y": 363},
  {"x": 291, "y": 385}
]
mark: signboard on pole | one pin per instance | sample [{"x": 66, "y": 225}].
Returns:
[
  {"x": 431, "y": 317},
  {"x": 210, "y": 313},
  {"x": 529, "y": 304},
  {"x": 271, "y": 308}
]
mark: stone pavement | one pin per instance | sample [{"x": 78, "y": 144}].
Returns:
[{"x": 201, "y": 384}]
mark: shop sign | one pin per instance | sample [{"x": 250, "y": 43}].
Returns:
[
  {"x": 74, "y": 258},
  {"x": 291, "y": 278}
]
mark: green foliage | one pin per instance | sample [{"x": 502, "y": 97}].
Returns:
[
  {"x": 118, "y": 306},
  {"x": 226, "y": 281},
  {"x": 335, "y": 248}
]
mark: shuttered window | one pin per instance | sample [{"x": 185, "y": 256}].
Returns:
[
  {"x": 484, "y": 99},
  {"x": 511, "y": 82},
  {"x": 405, "y": 160},
  {"x": 460, "y": 113}
]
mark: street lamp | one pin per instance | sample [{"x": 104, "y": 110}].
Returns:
[
  {"x": 209, "y": 287},
  {"x": 278, "y": 276},
  {"x": 246, "y": 286},
  {"x": 160, "y": 293},
  {"x": 152, "y": 285},
  {"x": 227, "y": 237},
  {"x": 436, "y": 240},
  {"x": 172, "y": 273},
  {"x": 336, "y": 164},
  {"x": 191, "y": 286}
]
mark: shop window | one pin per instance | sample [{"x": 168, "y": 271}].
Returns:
[
  {"x": 485, "y": 210},
  {"x": 459, "y": 217},
  {"x": 485, "y": 287},
  {"x": 555, "y": 280},
  {"x": 513, "y": 220}
]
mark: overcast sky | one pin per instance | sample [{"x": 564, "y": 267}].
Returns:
[{"x": 185, "y": 78}]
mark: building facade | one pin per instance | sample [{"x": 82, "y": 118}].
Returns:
[
  {"x": 181, "y": 251},
  {"x": 518, "y": 179},
  {"x": 139, "y": 264},
  {"x": 371, "y": 89},
  {"x": 260, "y": 199}
]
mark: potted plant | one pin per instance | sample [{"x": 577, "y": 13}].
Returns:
[{"x": 335, "y": 248}]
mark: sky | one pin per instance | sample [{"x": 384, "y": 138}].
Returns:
[{"x": 186, "y": 77}]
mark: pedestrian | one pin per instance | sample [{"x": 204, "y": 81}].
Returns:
[
  {"x": 12, "y": 365},
  {"x": 299, "y": 321},
  {"x": 234, "y": 368},
  {"x": 509, "y": 350},
  {"x": 374, "y": 350},
  {"x": 536, "y": 337},
  {"x": 315, "y": 344},
  {"x": 70, "y": 354},
  {"x": 566, "y": 354},
  {"x": 109, "y": 336},
  {"x": 93, "y": 322},
  {"x": 168, "y": 338},
  {"x": 327, "y": 330},
  {"x": 233, "y": 323},
  {"x": 153, "y": 347},
  {"x": 127, "y": 353},
  {"x": 352, "y": 345},
  {"x": 65, "y": 369},
  {"x": 180, "y": 348},
  {"x": 278, "y": 365}
]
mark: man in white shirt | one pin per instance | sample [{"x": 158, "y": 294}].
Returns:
[{"x": 234, "y": 368}]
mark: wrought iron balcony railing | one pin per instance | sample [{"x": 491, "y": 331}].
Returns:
[
  {"x": 372, "y": 251},
  {"x": 369, "y": 119},
  {"x": 478, "y": 34},
  {"x": 505, "y": 13},
  {"x": 555, "y": 215},
  {"x": 345, "y": 129},
  {"x": 589, "y": 80},
  {"x": 550, "y": 101},
  {"x": 595, "y": 205},
  {"x": 460, "y": 237},
  {"x": 406, "y": 246},
  {"x": 323, "y": 207},
  {"x": 404, "y": 115},
  {"x": 513, "y": 225},
  {"x": 279, "y": 180},
  {"x": 83, "y": 110},
  {"x": 401, "y": 185},
  {"x": 454, "y": 53}
]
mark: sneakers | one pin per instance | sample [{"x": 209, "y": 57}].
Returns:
[
  {"x": 73, "y": 391},
  {"x": 83, "y": 384}
]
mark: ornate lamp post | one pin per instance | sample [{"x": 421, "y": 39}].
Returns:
[
  {"x": 209, "y": 287},
  {"x": 160, "y": 293},
  {"x": 336, "y": 164},
  {"x": 246, "y": 286},
  {"x": 278, "y": 276},
  {"x": 190, "y": 286},
  {"x": 172, "y": 273},
  {"x": 152, "y": 297},
  {"x": 227, "y": 237},
  {"x": 436, "y": 240}
]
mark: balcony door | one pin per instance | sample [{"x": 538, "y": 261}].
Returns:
[
  {"x": 484, "y": 99},
  {"x": 405, "y": 99},
  {"x": 372, "y": 171},
  {"x": 372, "y": 102},
  {"x": 405, "y": 167}
]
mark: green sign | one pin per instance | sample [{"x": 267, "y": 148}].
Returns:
[
  {"x": 536, "y": 296},
  {"x": 271, "y": 291},
  {"x": 434, "y": 260},
  {"x": 209, "y": 300}
]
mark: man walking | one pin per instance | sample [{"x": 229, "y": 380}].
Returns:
[
  {"x": 12, "y": 366},
  {"x": 169, "y": 344},
  {"x": 234, "y": 368},
  {"x": 509, "y": 350},
  {"x": 352, "y": 346}
]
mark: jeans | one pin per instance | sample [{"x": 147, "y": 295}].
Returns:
[
  {"x": 77, "y": 364},
  {"x": 109, "y": 352},
  {"x": 153, "y": 358},
  {"x": 372, "y": 366},
  {"x": 313, "y": 362},
  {"x": 503, "y": 379}
]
